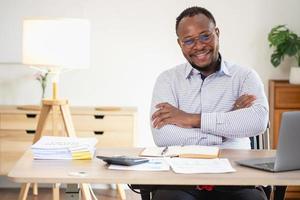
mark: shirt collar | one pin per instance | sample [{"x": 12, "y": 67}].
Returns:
[
  {"x": 224, "y": 69},
  {"x": 189, "y": 71}
]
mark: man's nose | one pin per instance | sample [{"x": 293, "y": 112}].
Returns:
[{"x": 198, "y": 44}]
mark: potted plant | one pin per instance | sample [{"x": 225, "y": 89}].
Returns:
[{"x": 285, "y": 43}]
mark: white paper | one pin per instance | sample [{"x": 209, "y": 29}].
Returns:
[
  {"x": 191, "y": 166},
  {"x": 155, "y": 164},
  {"x": 63, "y": 148}
]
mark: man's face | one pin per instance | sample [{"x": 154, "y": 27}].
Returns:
[{"x": 199, "y": 41}]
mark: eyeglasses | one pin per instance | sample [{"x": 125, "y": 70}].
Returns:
[{"x": 203, "y": 38}]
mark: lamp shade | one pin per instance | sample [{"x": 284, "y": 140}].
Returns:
[{"x": 61, "y": 43}]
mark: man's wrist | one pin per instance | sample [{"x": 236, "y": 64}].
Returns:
[{"x": 195, "y": 120}]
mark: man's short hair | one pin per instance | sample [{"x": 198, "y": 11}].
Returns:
[{"x": 192, "y": 11}]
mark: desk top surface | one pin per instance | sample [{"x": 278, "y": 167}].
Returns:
[{"x": 58, "y": 171}]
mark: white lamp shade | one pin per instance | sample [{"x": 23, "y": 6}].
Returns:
[{"x": 62, "y": 43}]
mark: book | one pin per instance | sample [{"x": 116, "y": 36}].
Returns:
[
  {"x": 64, "y": 148},
  {"x": 191, "y": 151}
]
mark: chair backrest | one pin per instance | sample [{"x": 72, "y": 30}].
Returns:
[{"x": 261, "y": 141}]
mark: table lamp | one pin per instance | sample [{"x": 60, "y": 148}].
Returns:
[{"x": 55, "y": 45}]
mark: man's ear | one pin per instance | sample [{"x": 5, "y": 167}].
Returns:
[
  {"x": 217, "y": 31},
  {"x": 179, "y": 43}
]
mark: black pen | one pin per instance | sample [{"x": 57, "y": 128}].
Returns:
[{"x": 164, "y": 151}]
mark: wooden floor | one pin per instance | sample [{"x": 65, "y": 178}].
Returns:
[{"x": 45, "y": 194}]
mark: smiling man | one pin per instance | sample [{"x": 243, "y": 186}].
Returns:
[{"x": 207, "y": 101}]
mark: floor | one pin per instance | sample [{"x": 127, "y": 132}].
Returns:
[{"x": 45, "y": 194}]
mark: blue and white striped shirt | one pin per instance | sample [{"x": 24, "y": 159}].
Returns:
[{"x": 213, "y": 98}]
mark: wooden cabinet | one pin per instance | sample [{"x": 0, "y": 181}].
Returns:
[
  {"x": 115, "y": 128},
  {"x": 282, "y": 97}
]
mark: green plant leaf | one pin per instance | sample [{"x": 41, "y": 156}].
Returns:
[
  {"x": 276, "y": 59},
  {"x": 291, "y": 48},
  {"x": 285, "y": 43}
]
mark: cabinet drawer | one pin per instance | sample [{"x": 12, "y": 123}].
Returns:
[
  {"x": 287, "y": 97},
  {"x": 110, "y": 138},
  {"x": 102, "y": 123},
  {"x": 19, "y": 121},
  {"x": 293, "y": 192},
  {"x": 27, "y": 122}
]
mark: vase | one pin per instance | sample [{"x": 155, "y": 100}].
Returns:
[{"x": 295, "y": 75}]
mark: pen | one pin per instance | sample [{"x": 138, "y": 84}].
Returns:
[{"x": 164, "y": 151}]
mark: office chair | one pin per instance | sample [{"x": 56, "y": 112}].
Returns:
[{"x": 257, "y": 142}]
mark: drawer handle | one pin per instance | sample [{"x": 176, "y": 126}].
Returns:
[
  {"x": 31, "y": 115},
  {"x": 98, "y": 132},
  {"x": 99, "y": 116},
  {"x": 30, "y": 131}
]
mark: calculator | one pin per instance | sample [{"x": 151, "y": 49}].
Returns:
[{"x": 123, "y": 160}]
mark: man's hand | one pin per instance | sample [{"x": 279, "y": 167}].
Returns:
[
  {"x": 244, "y": 101},
  {"x": 168, "y": 114}
]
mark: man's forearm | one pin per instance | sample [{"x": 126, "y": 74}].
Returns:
[
  {"x": 235, "y": 124},
  {"x": 170, "y": 135}
]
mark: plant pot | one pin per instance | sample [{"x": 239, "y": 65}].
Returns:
[{"x": 295, "y": 75}]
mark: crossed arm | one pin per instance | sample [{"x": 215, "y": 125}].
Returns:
[
  {"x": 172, "y": 125},
  {"x": 168, "y": 114}
]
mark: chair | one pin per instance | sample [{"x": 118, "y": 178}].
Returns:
[{"x": 261, "y": 141}]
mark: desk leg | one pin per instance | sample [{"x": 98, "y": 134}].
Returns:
[
  {"x": 86, "y": 191},
  {"x": 24, "y": 191},
  {"x": 55, "y": 191},
  {"x": 279, "y": 192},
  {"x": 121, "y": 191},
  {"x": 35, "y": 189}
]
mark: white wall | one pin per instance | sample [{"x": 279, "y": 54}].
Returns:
[{"x": 132, "y": 42}]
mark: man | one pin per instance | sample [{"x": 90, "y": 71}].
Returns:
[{"x": 207, "y": 101}]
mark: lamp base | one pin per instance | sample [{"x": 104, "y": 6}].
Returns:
[{"x": 58, "y": 107}]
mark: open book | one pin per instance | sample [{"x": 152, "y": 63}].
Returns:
[{"x": 191, "y": 151}]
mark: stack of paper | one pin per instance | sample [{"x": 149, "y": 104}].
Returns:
[{"x": 64, "y": 148}]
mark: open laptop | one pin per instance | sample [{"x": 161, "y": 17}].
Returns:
[{"x": 288, "y": 150}]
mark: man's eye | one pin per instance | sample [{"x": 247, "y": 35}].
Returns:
[
  {"x": 188, "y": 42},
  {"x": 204, "y": 37}
]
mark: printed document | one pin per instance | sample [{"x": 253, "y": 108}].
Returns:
[{"x": 192, "y": 166}]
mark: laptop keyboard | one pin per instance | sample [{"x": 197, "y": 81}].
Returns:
[{"x": 269, "y": 165}]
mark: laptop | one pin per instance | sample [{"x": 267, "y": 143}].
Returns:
[{"x": 288, "y": 149}]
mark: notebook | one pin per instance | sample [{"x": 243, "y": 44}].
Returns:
[
  {"x": 191, "y": 151},
  {"x": 287, "y": 154}
]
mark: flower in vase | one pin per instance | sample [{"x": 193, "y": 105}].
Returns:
[{"x": 42, "y": 77}]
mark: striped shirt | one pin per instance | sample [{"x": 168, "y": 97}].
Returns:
[{"x": 213, "y": 99}]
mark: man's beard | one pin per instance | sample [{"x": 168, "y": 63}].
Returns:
[{"x": 216, "y": 63}]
